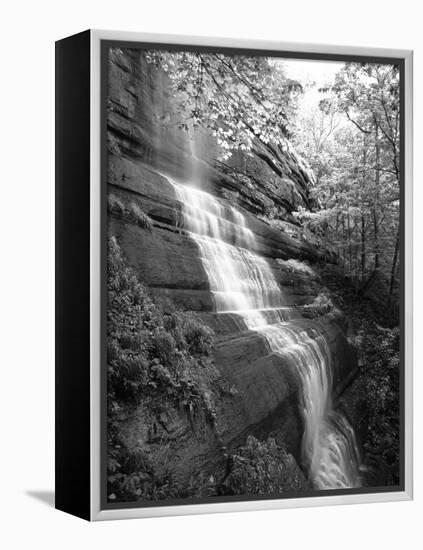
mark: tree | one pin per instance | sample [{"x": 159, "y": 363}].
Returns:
[
  {"x": 351, "y": 137},
  {"x": 245, "y": 102},
  {"x": 369, "y": 95},
  {"x": 242, "y": 100}
]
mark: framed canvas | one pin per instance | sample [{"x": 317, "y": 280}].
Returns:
[{"x": 233, "y": 275}]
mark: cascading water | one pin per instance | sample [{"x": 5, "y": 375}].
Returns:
[{"x": 243, "y": 283}]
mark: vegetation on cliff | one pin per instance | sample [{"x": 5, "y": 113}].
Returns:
[
  {"x": 132, "y": 213},
  {"x": 263, "y": 468},
  {"x": 155, "y": 353},
  {"x": 241, "y": 99}
]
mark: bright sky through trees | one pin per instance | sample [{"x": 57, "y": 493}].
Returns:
[{"x": 307, "y": 72}]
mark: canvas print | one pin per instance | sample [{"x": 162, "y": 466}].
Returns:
[{"x": 253, "y": 275}]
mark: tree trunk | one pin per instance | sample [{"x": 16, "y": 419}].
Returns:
[
  {"x": 363, "y": 246},
  {"x": 376, "y": 204},
  {"x": 343, "y": 244},
  {"x": 350, "y": 267},
  {"x": 376, "y": 238},
  {"x": 363, "y": 219},
  {"x": 394, "y": 263}
]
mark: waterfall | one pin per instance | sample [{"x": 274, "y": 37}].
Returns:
[{"x": 243, "y": 283}]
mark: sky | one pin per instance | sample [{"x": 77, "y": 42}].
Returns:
[
  {"x": 312, "y": 75},
  {"x": 306, "y": 71}
]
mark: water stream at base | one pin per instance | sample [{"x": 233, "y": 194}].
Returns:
[{"x": 243, "y": 284}]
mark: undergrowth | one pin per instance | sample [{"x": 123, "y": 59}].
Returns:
[
  {"x": 375, "y": 334},
  {"x": 378, "y": 388},
  {"x": 263, "y": 468},
  {"x": 154, "y": 353},
  {"x": 131, "y": 213}
]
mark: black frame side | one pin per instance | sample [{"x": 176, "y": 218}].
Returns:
[{"x": 72, "y": 368}]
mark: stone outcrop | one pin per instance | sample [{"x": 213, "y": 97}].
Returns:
[{"x": 143, "y": 152}]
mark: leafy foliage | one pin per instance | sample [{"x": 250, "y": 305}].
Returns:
[
  {"x": 132, "y": 213},
  {"x": 239, "y": 98},
  {"x": 369, "y": 96},
  {"x": 352, "y": 142},
  {"x": 379, "y": 387},
  {"x": 263, "y": 468}
]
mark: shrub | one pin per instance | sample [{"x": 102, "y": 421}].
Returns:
[
  {"x": 263, "y": 468},
  {"x": 323, "y": 301},
  {"x": 296, "y": 266},
  {"x": 115, "y": 205},
  {"x": 139, "y": 217},
  {"x": 378, "y": 387},
  {"x": 132, "y": 213},
  {"x": 198, "y": 337},
  {"x": 143, "y": 339}
]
